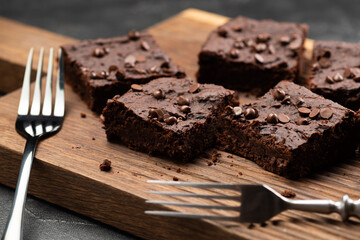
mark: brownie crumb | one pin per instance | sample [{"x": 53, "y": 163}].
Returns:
[
  {"x": 178, "y": 170},
  {"x": 209, "y": 163},
  {"x": 231, "y": 165},
  {"x": 275, "y": 222},
  {"x": 263, "y": 224},
  {"x": 105, "y": 165},
  {"x": 169, "y": 168},
  {"x": 229, "y": 156},
  {"x": 240, "y": 173},
  {"x": 82, "y": 115},
  {"x": 288, "y": 194},
  {"x": 251, "y": 226},
  {"x": 215, "y": 155},
  {"x": 93, "y": 139},
  {"x": 175, "y": 179}
]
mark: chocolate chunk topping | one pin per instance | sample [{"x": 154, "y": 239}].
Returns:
[
  {"x": 329, "y": 79},
  {"x": 136, "y": 87},
  {"x": 98, "y": 52},
  {"x": 237, "y": 111},
  {"x": 315, "y": 66},
  {"x": 279, "y": 94},
  {"x": 286, "y": 100},
  {"x": 222, "y": 32},
  {"x": 260, "y": 47},
  {"x": 165, "y": 64},
  {"x": 154, "y": 69},
  {"x": 120, "y": 75},
  {"x": 348, "y": 73},
  {"x": 113, "y": 68},
  {"x": 134, "y": 35},
  {"x": 272, "y": 118},
  {"x": 130, "y": 61},
  {"x": 145, "y": 46},
  {"x": 185, "y": 109},
  {"x": 300, "y": 101},
  {"x": 271, "y": 49},
  {"x": 314, "y": 113},
  {"x": 159, "y": 114},
  {"x": 295, "y": 44},
  {"x": 152, "y": 113},
  {"x": 237, "y": 28},
  {"x": 357, "y": 78},
  {"x": 251, "y": 113},
  {"x": 194, "y": 88},
  {"x": 284, "y": 40},
  {"x": 326, "y": 113},
  {"x": 263, "y": 37},
  {"x": 183, "y": 101},
  {"x": 234, "y": 53},
  {"x": 239, "y": 44},
  {"x": 283, "y": 118},
  {"x": 304, "y": 111},
  {"x": 338, "y": 78},
  {"x": 303, "y": 121},
  {"x": 104, "y": 74},
  {"x": 324, "y": 62},
  {"x": 324, "y": 53},
  {"x": 170, "y": 120},
  {"x": 259, "y": 58},
  {"x": 158, "y": 94}
]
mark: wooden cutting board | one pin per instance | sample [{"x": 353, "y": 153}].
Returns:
[{"x": 66, "y": 170}]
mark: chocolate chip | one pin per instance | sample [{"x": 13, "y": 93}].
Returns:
[
  {"x": 329, "y": 79},
  {"x": 284, "y": 40},
  {"x": 348, "y": 73},
  {"x": 234, "y": 53},
  {"x": 113, "y": 68},
  {"x": 170, "y": 120},
  {"x": 326, "y": 113},
  {"x": 324, "y": 62},
  {"x": 130, "y": 61},
  {"x": 165, "y": 64},
  {"x": 251, "y": 113},
  {"x": 237, "y": 28},
  {"x": 222, "y": 32},
  {"x": 286, "y": 100},
  {"x": 145, "y": 46},
  {"x": 194, "y": 88},
  {"x": 133, "y": 35},
  {"x": 263, "y": 37},
  {"x": 154, "y": 69},
  {"x": 295, "y": 44},
  {"x": 338, "y": 78},
  {"x": 160, "y": 114},
  {"x": 300, "y": 101},
  {"x": 152, "y": 113},
  {"x": 104, "y": 74},
  {"x": 98, "y": 52},
  {"x": 272, "y": 118},
  {"x": 278, "y": 94},
  {"x": 136, "y": 87},
  {"x": 324, "y": 53},
  {"x": 314, "y": 113},
  {"x": 106, "y": 50},
  {"x": 271, "y": 49},
  {"x": 239, "y": 44},
  {"x": 356, "y": 78},
  {"x": 120, "y": 75},
  {"x": 315, "y": 66},
  {"x": 183, "y": 101},
  {"x": 303, "y": 121},
  {"x": 259, "y": 58},
  {"x": 158, "y": 94},
  {"x": 237, "y": 111},
  {"x": 140, "y": 58},
  {"x": 283, "y": 118},
  {"x": 304, "y": 111},
  {"x": 185, "y": 109},
  {"x": 260, "y": 47},
  {"x": 249, "y": 43}
]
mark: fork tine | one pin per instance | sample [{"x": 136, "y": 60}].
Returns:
[
  {"x": 186, "y": 215},
  {"x": 35, "y": 106},
  {"x": 59, "y": 108},
  {"x": 197, "y": 185},
  {"x": 180, "y": 194},
  {"x": 191, "y": 205},
  {"x": 25, "y": 91},
  {"x": 48, "y": 88}
]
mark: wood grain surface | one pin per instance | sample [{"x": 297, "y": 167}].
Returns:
[{"x": 66, "y": 170}]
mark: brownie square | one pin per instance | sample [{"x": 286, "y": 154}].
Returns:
[
  {"x": 290, "y": 131},
  {"x": 167, "y": 116},
  {"x": 251, "y": 55},
  {"x": 100, "y": 69},
  {"x": 336, "y": 72}
]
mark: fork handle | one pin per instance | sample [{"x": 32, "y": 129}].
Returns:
[
  {"x": 13, "y": 229},
  {"x": 346, "y": 207}
]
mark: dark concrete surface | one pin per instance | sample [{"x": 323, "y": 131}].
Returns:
[{"x": 328, "y": 20}]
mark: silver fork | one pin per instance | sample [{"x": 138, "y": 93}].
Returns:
[
  {"x": 258, "y": 203},
  {"x": 34, "y": 126}
]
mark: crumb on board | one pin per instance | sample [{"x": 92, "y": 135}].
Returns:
[
  {"x": 83, "y": 115},
  {"x": 263, "y": 224},
  {"x": 251, "y": 226},
  {"x": 105, "y": 165},
  {"x": 229, "y": 156},
  {"x": 175, "y": 179},
  {"x": 240, "y": 173},
  {"x": 215, "y": 155},
  {"x": 288, "y": 194},
  {"x": 93, "y": 138},
  {"x": 178, "y": 170}
]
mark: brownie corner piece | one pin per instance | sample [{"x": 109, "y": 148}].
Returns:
[
  {"x": 290, "y": 131},
  {"x": 99, "y": 69},
  {"x": 336, "y": 72},
  {"x": 167, "y": 116},
  {"x": 246, "y": 54}
]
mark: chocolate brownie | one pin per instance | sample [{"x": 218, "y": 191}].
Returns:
[
  {"x": 290, "y": 131},
  {"x": 100, "y": 69},
  {"x": 336, "y": 72},
  {"x": 167, "y": 116},
  {"x": 246, "y": 54}
]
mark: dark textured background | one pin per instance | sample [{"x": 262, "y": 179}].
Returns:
[{"x": 328, "y": 20}]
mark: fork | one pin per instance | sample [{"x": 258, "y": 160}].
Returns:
[
  {"x": 258, "y": 203},
  {"x": 34, "y": 126}
]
